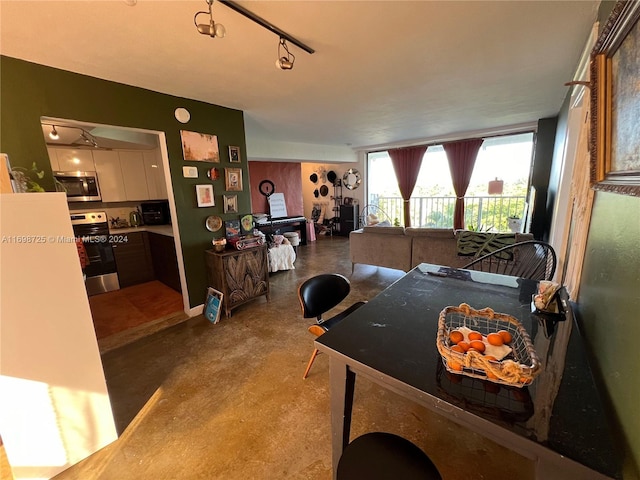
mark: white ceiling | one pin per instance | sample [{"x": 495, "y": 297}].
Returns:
[{"x": 383, "y": 73}]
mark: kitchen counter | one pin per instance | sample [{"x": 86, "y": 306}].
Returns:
[{"x": 166, "y": 230}]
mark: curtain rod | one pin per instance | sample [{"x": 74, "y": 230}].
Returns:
[{"x": 265, "y": 24}]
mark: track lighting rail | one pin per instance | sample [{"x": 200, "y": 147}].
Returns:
[{"x": 265, "y": 24}]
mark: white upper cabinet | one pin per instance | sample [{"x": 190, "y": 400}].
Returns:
[
  {"x": 110, "y": 177},
  {"x": 74, "y": 159},
  {"x": 133, "y": 175},
  {"x": 155, "y": 175},
  {"x": 53, "y": 159}
]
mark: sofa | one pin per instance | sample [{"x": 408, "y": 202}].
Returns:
[{"x": 404, "y": 248}]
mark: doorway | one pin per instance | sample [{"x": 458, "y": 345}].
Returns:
[{"x": 149, "y": 302}]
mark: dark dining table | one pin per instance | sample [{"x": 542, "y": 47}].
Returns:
[{"x": 558, "y": 421}]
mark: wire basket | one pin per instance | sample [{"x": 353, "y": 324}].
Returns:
[{"x": 519, "y": 368}]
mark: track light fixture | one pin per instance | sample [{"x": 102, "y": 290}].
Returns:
[
  {"x": 53, "y": 134},
  {"x": 284, "y": 63},
  {"x": 212, "y": 28}
]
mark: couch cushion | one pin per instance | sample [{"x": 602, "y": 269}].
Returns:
[
  {"x": 430, "y": 232},
  {"x": 384, "y": 230}
]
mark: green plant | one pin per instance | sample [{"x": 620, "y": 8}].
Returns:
[
  {"x": 23, "y": 181},
  {"x": 396, "y": 222}
]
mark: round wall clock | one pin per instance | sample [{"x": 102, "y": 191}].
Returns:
[{"x": 266, "y": 187}]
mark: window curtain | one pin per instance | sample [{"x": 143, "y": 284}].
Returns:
[
  {"x": 461, "y": 156},
  {"x": 406, "y": 163}
]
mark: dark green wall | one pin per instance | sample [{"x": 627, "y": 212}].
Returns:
[
  {"x": 609, "y": 305},
  {"x": 29, "y": 91},
  {"x": 542, "y": 160}
]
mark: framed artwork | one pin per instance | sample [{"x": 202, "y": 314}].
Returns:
[
  {"x": 230, "y": 203},
  {"x": 213, "y": 305},
  {"x": 199, "y": 147},
  {"x": 234, "y": 154},
  {"x": 615, "y": 103},
  {"x": 233, "y": 179},
  {"x": 204, "y": 195}
]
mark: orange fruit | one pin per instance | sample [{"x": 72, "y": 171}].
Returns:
[
  {"x": 464, "y": 345},
  {"x": 506, "y": 336},
  {"x": 456, "y": 336},
  {"x": 478, "y": 345},
  {"x": 495, "y": 339},
  {"x": 453, "y": 365},
  {"x": 491, "y": 357},
  {"x": 458, "y": 348},
  {"x": 491, "y": 375},
  {"x": 473, "y": 335}
]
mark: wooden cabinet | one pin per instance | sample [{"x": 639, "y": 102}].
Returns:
[
  {"x": 241, "y": 275},
  {"x": 154, "y": 172},
  {"x": 133, "y": 175},
  {"x": 109, "y": 176},
  {"x": 165, "y": 261},
  {"x": 348, "y": 218},
  {"x": 133, "y": 259},
  {"x": 73, "y": 159}
]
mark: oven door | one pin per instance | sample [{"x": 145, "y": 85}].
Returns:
[{"x": 101, "y": 270}]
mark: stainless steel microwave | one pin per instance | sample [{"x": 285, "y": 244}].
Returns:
[{"x": 79, "y": 186}]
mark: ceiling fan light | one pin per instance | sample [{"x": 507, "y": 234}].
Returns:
[{"x": 53, "y": 134}]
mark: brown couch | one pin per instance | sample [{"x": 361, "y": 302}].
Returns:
[{"x": 404, "y": 248}]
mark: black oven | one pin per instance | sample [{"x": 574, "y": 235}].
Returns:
[
  {"x": 93, "y": 229},
  {"x": 79, "y": 186}
]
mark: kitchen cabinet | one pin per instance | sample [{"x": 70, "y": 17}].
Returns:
[
  {"x": 154, "y": 171},
  {"x": 110, "y": 178},
  {"x": 53, "y": 159},
  {"x": 133, "y": 175},
  {"x": 165, "y": 261},
  {"x": 133, "y": 259},
  {"x": 241, "y": 275},
  {"x": 73, "y": 159}
]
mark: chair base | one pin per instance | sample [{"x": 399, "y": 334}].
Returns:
[{"x": 383, "y": 456}]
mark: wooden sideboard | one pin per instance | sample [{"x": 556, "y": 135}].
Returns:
[{"x": 241, "y": 275}]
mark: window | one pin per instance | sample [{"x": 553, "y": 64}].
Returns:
[{"x": 507, "y": 158}]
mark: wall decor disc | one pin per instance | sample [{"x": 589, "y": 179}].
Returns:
[
  {"x": 213, "y": 173},
  {"x": 314, "y": 177},
  {"x": 182, "y": 115},
  {"x": 324, "y": 190},
  {"x": 213, "y": 223}
]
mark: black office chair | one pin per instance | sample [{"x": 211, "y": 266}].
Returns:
[
  {"x": 317, "y": 296},
  {"x": 384, "y": 456},
  {"x": 529, "y": 259}
]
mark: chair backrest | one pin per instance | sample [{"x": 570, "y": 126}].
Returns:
[
  {"x": 321, "y": 293},
  {"x": 530, "y": 259}
]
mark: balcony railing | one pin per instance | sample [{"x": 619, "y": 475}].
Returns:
[{"x": 480, "y": 213}]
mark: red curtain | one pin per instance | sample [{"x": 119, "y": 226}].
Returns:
[
  {"x": 462, "y": 157},
  {"x": 406, "y": 163}
]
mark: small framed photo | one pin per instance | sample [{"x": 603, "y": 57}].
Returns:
[
  {"x": 213, "y": 305},
  {"x": 204, "y": 195},
  {"x": 230, "y": 203},
  {"x": 233, "y": 179},
  {"x": 234, "y": 154}
]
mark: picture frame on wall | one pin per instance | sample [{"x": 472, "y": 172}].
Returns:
[
  {"x": 233, "y": 179},
  {"x": 615, "y": 103},
  {"x": 204, "y": 196},
  {"x": 230, "y": 203},
  {"x": 199, "y": 147},
  {"x": 234, "y": 154}
]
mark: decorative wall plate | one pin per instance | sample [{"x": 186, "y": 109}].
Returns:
[
  {"x": 352, "y": 179},
  {"x": 213, "y": 223},
  {"x": 324, "y": 190}
]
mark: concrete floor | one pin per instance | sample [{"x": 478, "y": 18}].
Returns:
[{"x": 227, "y": 401}]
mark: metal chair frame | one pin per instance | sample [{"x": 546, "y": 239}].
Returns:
[{"x": 531, "y": 259}]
